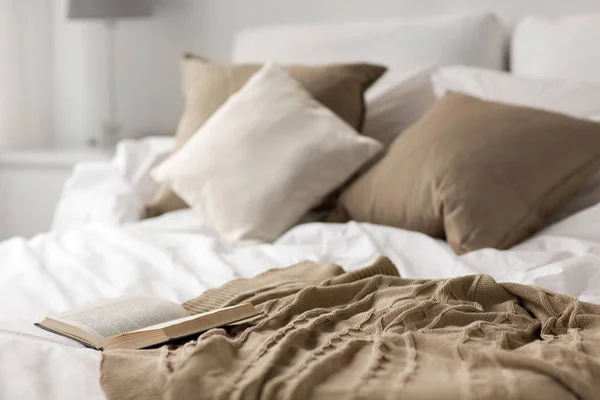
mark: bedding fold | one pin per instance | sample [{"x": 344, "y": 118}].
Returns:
[{"x": 372, "y": 334}]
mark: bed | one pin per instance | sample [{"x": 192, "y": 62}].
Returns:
[{"x": 176, "y": 256}]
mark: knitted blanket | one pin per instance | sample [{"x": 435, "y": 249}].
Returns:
[{"x": 369, "y": 334}]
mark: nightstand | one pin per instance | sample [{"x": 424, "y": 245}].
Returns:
[{"x": 31, "y": 182}]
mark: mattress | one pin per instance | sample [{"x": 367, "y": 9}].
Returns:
[{"x": 176, "y": 257}]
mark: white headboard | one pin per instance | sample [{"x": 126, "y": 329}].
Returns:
[{"x": 223, "y": 18}]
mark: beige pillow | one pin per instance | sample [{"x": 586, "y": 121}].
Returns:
[
  {"x": 268, "y": 155},
  {"x": 207, "y": 85},
  {"x": 481, "y": 174}
]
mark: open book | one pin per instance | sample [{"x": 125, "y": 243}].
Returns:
[{"x": 136, "y": 322}]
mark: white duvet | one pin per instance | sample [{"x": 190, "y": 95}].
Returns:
[{"x": 177, "y": 257}]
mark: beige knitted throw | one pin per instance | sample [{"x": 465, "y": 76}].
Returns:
[{"x": 370, "y": 334}]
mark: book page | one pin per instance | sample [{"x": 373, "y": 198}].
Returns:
[
  {"x": 170, "y": 323},
  {"x": 227, "y": 315},
  {"x": 124, "y": 314}
]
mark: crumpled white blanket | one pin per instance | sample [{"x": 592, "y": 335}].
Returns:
[{"x": 112, "y": 192}]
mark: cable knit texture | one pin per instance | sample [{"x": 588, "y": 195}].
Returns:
[{"x": 370, "y": 334}]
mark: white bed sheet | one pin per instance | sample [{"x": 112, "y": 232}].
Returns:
[{"x": 176, "y": 257}]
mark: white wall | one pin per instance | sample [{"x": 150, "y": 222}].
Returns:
[
  {"x": 148, "y": 51},
  {"x": 25, "y": 72},
  {"x": 147, "y": 73}
]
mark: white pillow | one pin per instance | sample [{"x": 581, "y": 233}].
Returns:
[
  {"x": 575, "y": 98},
  {"x": 578, "y": 99},
  {"x": 389, "y": 114},
  {"x": 267, "y": 156},
  {"x": 557, "y": 47}
]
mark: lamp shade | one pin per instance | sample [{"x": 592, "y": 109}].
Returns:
[{"x": 109, "y": 9}]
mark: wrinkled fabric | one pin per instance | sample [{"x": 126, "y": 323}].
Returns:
[
  {"x": 113, "y": 192},
  {"x": 369, "y": 334},
  {"x": 177, "y": 256}
]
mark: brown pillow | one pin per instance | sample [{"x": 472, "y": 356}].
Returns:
[
  {"x": 207, "y": 85},
  {"x": 479, "y": 173}
]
